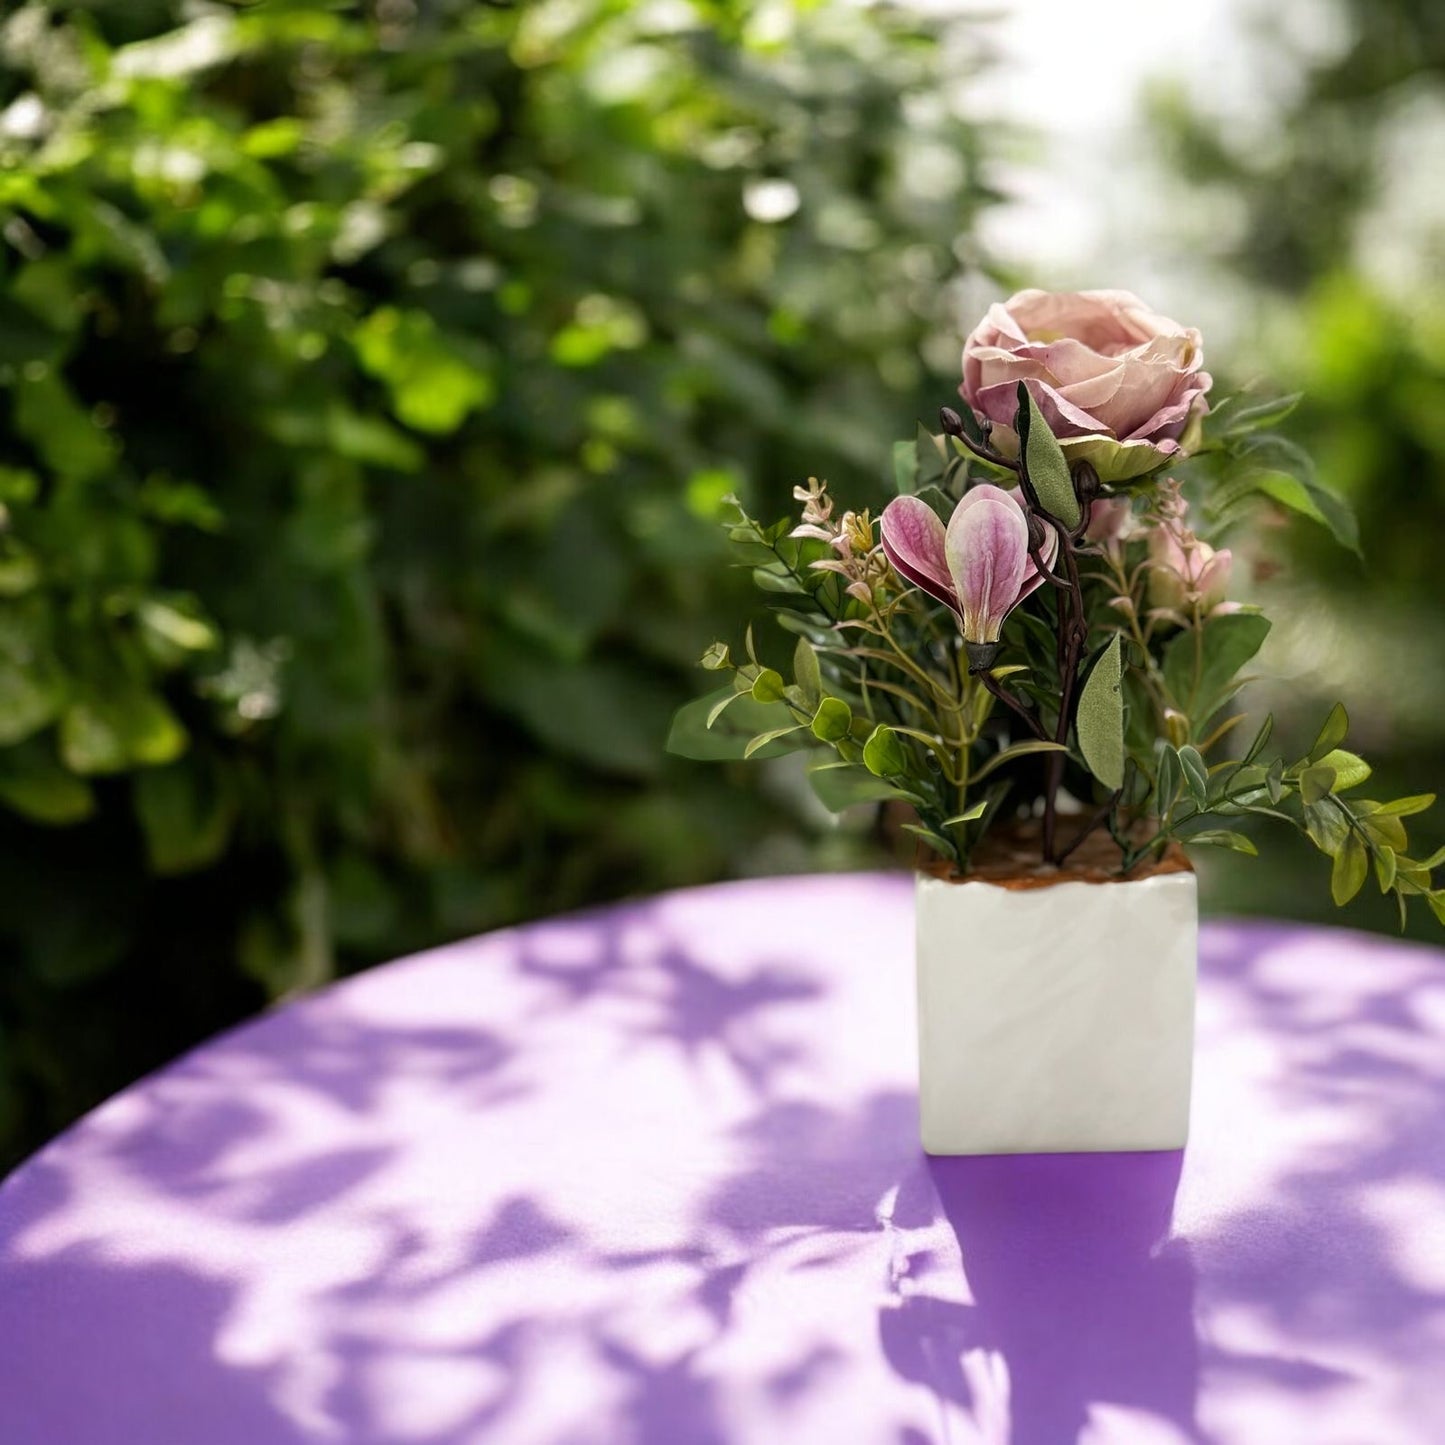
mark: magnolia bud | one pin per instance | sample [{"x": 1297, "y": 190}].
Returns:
[
  {"x": 1086, "y": 483},
  {"x": 1038, "y": 532},
  {"x": 950, "y": 421}
]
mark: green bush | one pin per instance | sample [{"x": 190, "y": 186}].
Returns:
[{"x": 370, "y": 380}]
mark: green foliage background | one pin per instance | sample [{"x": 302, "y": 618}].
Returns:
[{"x": 370, "y": 379}]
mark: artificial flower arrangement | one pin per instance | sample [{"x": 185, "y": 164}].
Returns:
[{"x": 1033, "y": 649}]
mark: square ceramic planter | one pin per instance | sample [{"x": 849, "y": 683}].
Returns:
[{"x": 1056, "y": 1018}]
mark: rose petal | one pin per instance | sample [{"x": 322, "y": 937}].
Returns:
[{"x": 913, "y": 541}]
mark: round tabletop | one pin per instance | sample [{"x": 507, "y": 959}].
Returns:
[{"x": 651, "y": 1176}]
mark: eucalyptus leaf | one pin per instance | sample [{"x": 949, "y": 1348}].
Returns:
[
  {"x": 806, "y": 673},
  {"x": 1407, "y": 807},
  {"x": 1349, "y": 871},
  {"x": 832, "y": 721},
  {"x": 883, "y": 754},
  {"x": 736, "y": 720},
  {"x": 1350, "y": 769},
  {"x": 757, "y": 744},
  {"x": 1196, "y": 775},
  {"x": 1332, "y": 734},
  {"x": 1223, "y": 838},
  {"x": 1316, "y": 783},
  {"x": 845, "y": 785},
  {"x": 768, "y": 686}
]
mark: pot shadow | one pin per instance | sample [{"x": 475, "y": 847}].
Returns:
[{"x": 1075, "y": 1285}]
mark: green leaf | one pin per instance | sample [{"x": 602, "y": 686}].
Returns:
[
  {"x": 1348, "y": 874},
  {"x": 1349, "y": 768},
  {"x": 1263, "y": 414},
  {"x": 1316, "y": 783},
  {"x": 883, "y": 754},
  {"x": 1100, "y": 718},
  {"x": 720, "y": 707},
  {"x": 1223, "y": 838},
  {"x": 806, "y": 673},
  {"x": 1326, "y": 825},
  {"x": 1385, "y": 829},
  {"x": 34, "y": 784},
  {"x": 1407, "y": 807},
  {"x": 768, "y": 686},
  {"x": 1044, "y": 460},
  {"x": 1274, "y": 780},
  {"x": 778, "y": 580},
  {"x": 1013, "y": 753},
  {"x": 1436, "y": 900},
  {"x": 186, "y": 811},
  {"x": 1307, "y": 497},
  {"x": 31, "y": 696},
  {"x": 65, "y": 435},
  {"x": 1196, "y": 775},
  {"x": 1225, "y": 645},
  {"x": 1168, "y": 778},
  {"x": 832, "y": 720},
  {"x": 121, "y": 729},
  {"x": 977, "y": 811},
  {"x": 938, "y": 843},
  {"x": 1260, "y": 739},
  {"x": 931, "y": 458},
  {"x": 757, "y": 744},
  {"x": 434, "y": 380},
  {"x": 717, "y": 657},
  {"x": 1385, "y": 863},
  {"x": 905, "y": 468},
  {"x": 1332, "y": 734},
  {"x": 845, "y": 785},
  {"x": 737, "y": 719}
]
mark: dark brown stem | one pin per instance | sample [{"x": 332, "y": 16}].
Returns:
[
  {"x": 1009, "y": 700},
  {"x": 1095, "y": 820},
  {"x": 986, "y": 453},
  {"x": 1073, "y": 632},
  {"x": 1044, "y": 572}
]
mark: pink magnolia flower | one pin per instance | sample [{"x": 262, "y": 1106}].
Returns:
[
  {"x": 1119, "y": 385},
  {"x": 979, "y": 564}
]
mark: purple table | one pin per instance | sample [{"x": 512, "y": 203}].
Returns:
[{"x": 650, "y": 1177}]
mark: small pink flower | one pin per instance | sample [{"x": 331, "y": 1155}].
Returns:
[
  {"x": 979, "y": 564},
  {"x": 1185, "y": 572},
  {"x": 1110, "y": 519}
]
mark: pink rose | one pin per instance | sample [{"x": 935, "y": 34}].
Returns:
[{"x": 1119, "y": 385}]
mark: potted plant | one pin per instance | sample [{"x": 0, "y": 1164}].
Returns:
[{"x": 1033, "y": 656}]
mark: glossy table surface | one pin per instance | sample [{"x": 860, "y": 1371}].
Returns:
[{"x": 651, "y": 1175}]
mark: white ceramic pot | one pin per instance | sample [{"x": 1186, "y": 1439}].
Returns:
[{"x": 1057, "y": 1018}]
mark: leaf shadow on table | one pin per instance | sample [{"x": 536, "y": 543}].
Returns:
[
  {"x": 1333, "y": 1100},
  {"x": 1074, "y": 1285},
  {"x": 680, "y": 1001},
  {"x": 118, "y": 1354}
]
